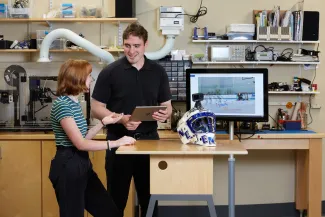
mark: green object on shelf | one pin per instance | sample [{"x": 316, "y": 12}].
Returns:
[{"x": 198, "y": 55}]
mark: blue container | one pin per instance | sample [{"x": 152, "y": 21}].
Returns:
[{"x": 292, "y": 125}]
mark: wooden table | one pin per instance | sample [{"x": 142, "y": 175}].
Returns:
[
  {"x": 308, "y": 151},
  {"x": 185, "y": 172},
  {"x": 307, "y": 146}
]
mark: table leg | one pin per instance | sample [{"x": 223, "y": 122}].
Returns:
[
  {"x": 181, "y": 197},
  {"x": 231, "y": 186},
  {"x": 315, "y": 178},
  {"x": 212, "y": 208},
  {"x": 151, "y": 206},
  {"x": 301, "y": 180}
]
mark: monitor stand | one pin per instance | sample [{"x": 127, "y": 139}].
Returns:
[
  {"x": 231, "y": 130},
  {"x": 231, "y": 174}
]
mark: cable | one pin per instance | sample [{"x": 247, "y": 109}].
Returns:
[
  {"x": 238, "y": 134},
  {"x": 277, "y": 124},
  {"x": 283, "y": 56},
  {"x": 201, "y": 12},
  {"x": 248, "y": 137},
  {"x": 309, "y": 110},
  {"x": 250, "y": 55}
]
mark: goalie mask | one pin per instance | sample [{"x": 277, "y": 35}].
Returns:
[{"x": 197, "y": 126}]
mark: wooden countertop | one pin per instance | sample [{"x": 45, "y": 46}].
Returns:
[
  {"x": 170, "y": 147},
  {"x": 164, "y": 134}
]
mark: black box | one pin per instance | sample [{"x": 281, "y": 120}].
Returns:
[
  {"x": 124, "y": 8},
  {"x": 310, "y": 31},
  {"x": 5, "y": 44}
]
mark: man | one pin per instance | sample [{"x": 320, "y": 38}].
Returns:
[{"x": 131, "y": 81}]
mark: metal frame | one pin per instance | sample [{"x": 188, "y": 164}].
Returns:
[{"x": 182, "y": 197}]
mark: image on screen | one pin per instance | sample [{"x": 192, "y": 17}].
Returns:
[{"x": 228, "y": 94}]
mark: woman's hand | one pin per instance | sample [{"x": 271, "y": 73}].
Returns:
[
  {"x": 112, "y": 118},
  {"x": 125, "y": 140}
]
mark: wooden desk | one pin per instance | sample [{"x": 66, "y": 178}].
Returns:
[
  {"x": 185, "y": 172},
  {"x": 308, "y": 148}
]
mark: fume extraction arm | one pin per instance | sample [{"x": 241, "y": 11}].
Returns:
[
  {"x": 73, "y": 37},
  {"x": 171, "y": 22}
]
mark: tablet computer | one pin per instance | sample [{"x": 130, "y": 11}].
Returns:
[{"x": 144, "y": 113}]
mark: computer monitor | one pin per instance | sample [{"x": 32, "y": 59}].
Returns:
[{"x": 231, "y": 94}]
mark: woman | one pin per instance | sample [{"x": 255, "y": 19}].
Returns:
[{"x": 77, "y": 186}]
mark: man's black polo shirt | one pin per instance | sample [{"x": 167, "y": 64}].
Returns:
[{"x": 122, "y": 87}]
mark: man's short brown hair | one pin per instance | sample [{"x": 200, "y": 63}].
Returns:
[
  {"x": 135, "y": 29},
  {"x": 72, "y": 77}
]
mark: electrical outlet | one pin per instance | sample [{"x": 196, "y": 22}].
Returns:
[{"x": 11, "y": 98}]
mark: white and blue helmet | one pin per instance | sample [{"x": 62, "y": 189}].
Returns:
[{"x": 197, "y": 126}]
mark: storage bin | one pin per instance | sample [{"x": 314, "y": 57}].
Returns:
[
  {"x": 292, "y": 125},
  {"x": 68, "y": 10},
  {"x": 240, "y": 36},
  {"x": 3, "y": 11},
  {"x": 68, "y": 14},
  {"x": 176, "y": 72},
  {"x": 58, "y": 44},
  {"x": 40, "y": 34},
  {"x": 19, "y": 13},
  {"x": 20, "y": 9},
  {"x": 90, "y": 11}
]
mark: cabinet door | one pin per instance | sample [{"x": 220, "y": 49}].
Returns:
[
  {"x": 50, "y": 205},
  {"x": 20, "y": 178},
  {"x": 98, "y": 160}
]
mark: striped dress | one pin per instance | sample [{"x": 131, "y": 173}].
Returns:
[{"x": 64, "y": 107}]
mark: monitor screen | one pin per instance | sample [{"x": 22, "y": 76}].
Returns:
[{"x": 231, "y": 94}]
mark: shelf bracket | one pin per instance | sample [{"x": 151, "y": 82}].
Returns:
[
  {"x": 50, "y": 5},
  {"x": 50, "y": 24},
  {"x": 120, "y": 34},
  {"x": 207, "y": 50}
]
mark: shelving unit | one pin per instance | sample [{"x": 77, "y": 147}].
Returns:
[
  {"x": 49, "y": 21},
  {"x": 256, "y": 63},
  {"x": 207, "y": 44},
  {"x": 109, "y": 20},
  {"x": 298, "y": 94},
  {"x": 53, "y": 51},
  {"x": 294, "y": 92},
  {"x": 255, "y": 41}
]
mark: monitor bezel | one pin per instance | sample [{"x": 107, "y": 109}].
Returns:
[{"x": 263, "y": 71}]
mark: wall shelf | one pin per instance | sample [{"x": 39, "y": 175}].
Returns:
[
  {"x": 294, "y": 92},
  {"x": 257, "y": 63},
  {"x": 255, "y": 41},
  {"x": 52, "y": 51},
  {"x": 107, "y": 20}
]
